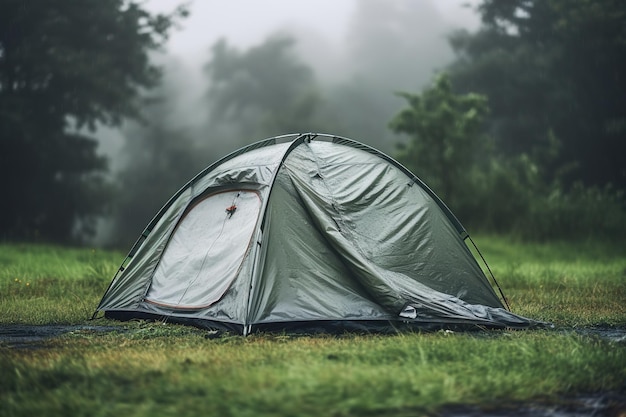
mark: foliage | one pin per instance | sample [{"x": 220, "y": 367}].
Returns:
[
  {"x": 159, "y": 159},
  {"x": 159, "y": 166},
  {"x": 66, "y": 66},
  {"x": 512, "y": 197},
  {"x": 390, "y": 46},
  {"x": 552, "y": 66},
  {"x": 446, "y": 140},
  {"x": 581, "y": 212},
  {"x": 264, "y": 91},
  {"x": 498, "y": 192}
]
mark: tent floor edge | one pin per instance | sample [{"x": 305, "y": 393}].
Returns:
[
  {"x": 204, "y": 324},
  {"x": 377, "y": 327},
  {"x": 313, "y": 327}
]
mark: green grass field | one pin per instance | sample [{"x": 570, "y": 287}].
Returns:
[{"x": 151, "y": 369}]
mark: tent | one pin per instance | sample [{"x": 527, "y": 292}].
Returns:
[{"x": 306, "y": 232}]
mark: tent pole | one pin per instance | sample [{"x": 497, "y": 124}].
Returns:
[{"x": 508, "y": 307}]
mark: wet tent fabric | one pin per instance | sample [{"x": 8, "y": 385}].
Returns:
[{"x": 311, "y": 231}]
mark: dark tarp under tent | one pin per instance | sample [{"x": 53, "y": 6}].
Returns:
[{"x": 306, "y": 232}]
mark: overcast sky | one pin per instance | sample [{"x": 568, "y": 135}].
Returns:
[{"x": 248, "y": 22}]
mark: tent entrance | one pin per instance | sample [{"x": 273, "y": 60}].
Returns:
[{"x": 206, "y": 250}]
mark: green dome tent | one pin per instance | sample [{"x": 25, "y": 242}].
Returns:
[{"x": 306, "y": 232}]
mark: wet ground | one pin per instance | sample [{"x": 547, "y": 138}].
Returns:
[
  {"x": 613, "y": 334},
  {"x": 18, "y": 336},
  {"x": 611, "y": 404},
  {"x": 595, "y": 404},
  {"x": 32, "y": 336}
]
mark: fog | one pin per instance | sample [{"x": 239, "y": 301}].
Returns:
[{"x": 345, "y": 60}]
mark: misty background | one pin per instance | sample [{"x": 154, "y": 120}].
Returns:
[
  {"x": 512, "y": 112},
  {"x": 311, "y": 66}
]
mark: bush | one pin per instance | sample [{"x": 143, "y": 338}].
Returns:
[
  {"x": 512, "y": 198},
  {"x": 579, "y": 213},
  {"x": 521, "y": 195}
]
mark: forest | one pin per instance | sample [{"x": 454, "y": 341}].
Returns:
[{"x": 519, "y": 126}]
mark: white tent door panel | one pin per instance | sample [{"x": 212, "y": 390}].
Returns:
[{"x": 206, "y": 250}]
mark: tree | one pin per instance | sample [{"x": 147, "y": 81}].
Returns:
[
  {"x": 65, "y": 67},
  {"x": 446, "y": 140},
  {"x": 390, "y": 46},
  {"x": 161, "y": 159},
  {"x": 553, "y": 67},
  {"x": 156, "y": 160},
  {"x": 264, "y": 91}
]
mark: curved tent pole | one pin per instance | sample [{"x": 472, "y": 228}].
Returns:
[{"x": 506, "y": 302}]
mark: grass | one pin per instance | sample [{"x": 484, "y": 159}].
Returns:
[
  {"x": 151, "y": 369},
  {"x": 565, "y": 283},
  {"x": 169, "y": 371},
  {"x": 42, "y": 284}
]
